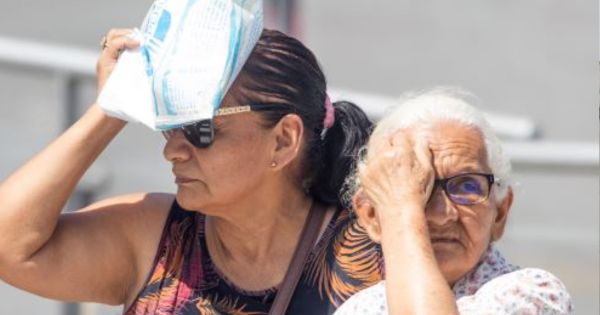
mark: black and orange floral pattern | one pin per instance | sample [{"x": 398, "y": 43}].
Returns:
[{"x": 184, "y": 280}]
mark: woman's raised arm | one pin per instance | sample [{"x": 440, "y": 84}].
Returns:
[
  {"x": 89, "y": 255},
  {"x": 397, "y": 181}
]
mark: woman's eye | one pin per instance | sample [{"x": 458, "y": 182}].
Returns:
[
  {"x": 464, "y": 185},
  {"x": 470, "y": 187}
]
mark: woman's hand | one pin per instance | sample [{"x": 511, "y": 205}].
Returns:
[
  {"x": 397, "y": 172},
  {"x": 397, "y": 179},
  {"x": 115, "y": 41},
  {"x": 107, "y": 259}
]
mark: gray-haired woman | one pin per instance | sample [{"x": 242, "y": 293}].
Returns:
[{"x": 435, "y": 190}]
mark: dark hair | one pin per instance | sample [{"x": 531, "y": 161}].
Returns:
[{"x": 281, "y": 70}]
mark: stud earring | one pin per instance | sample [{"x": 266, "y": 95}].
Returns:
[{"x": 274, "y": 164}]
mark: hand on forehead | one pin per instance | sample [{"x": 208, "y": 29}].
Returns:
[
  {"x": 398, "y": 165},
  {"x": 400, "y": 141}
]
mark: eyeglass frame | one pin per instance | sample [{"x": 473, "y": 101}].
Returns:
[
  {"x": 443, "y": 183},
  {"x": 201, "y": 134}
]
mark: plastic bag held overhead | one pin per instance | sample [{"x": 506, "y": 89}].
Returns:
[{"x": 191, "y": 52}]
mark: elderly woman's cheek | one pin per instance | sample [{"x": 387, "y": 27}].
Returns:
[
  {"x": 459, "y": 248},
  {"x": 451, "y": 261},
  {"x": 478, "y": 232}
]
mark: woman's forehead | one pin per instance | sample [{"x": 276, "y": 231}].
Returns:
[
  {"x": 448, "y": 135},
  {"x": 457, "y": 148},
  {"x": 447, "y": 141}
]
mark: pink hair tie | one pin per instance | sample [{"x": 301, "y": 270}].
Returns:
[
  {"x": 329, "y": 114},
  {"x": 329, "y": 117}
]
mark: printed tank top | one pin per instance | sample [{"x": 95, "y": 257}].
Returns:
[{"x": 184, "y": 281}]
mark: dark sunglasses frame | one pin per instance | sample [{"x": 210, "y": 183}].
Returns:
[
  {"x": 443, "y": 183},
  {"x": 201, "y": 134}
]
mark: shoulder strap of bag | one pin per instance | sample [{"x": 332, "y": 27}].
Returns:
[{"x": 309, "y": 235}]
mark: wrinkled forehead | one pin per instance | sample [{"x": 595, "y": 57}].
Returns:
[
  {"x": 449, "y": 142},
  {"x": 456, "y": 144}
]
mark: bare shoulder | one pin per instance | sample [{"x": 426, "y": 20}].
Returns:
[
  {"x": 136, "y": 212},
  {"x": 140, "y": 219},
  {"x": 111, "y": 246},
  {"x": 142, "y": 201}
]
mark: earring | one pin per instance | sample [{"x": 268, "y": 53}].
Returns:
[{"x": 274, "y": 164}]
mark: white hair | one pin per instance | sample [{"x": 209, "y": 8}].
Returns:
[{"x": 417, "y": 110}]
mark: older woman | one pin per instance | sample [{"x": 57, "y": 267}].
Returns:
[
  {"x": 223, "y": 243},
  {"x": 435, "y": 190}
]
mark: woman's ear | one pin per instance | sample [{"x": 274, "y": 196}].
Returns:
[
  {"x": 502, "y": 210},
  {"x": 289, "y": 132},
  {"x": 367, "y": 217}
]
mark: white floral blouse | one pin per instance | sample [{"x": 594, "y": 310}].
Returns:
[{"x": 493, "y": 287}]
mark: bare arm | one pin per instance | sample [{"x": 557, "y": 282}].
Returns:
[
  {"x": 397, "y": 181},
  {"x": 91, "y": 255},
  {"x": 414, "y": 283},
  {"x": 101, "y": 253},
  {"x": 32, "y": 198}
]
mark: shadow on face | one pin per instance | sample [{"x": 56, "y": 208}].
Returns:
[{"x": 459, "y": 233}]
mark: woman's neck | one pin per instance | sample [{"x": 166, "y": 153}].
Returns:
[{"x": 260, "y": 237}]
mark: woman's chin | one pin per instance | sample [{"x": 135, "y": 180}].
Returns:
[
  {"x": 449, "y": 258},
  {"x": 446, "y": 250},
  {"x": 452, "y": 272},
  {"x": 186, "y": 200}
]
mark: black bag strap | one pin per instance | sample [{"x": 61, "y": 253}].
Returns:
[{"x": 309, "y": 235}]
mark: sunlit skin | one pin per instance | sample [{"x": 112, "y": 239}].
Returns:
[
  {"x": 208, "y": 177},
  {"x": 235, "y": 183},
  {"x": 459, "y": 234},
  {"x": 428, "y": 241},
  {"x": 246, "y": 183}
]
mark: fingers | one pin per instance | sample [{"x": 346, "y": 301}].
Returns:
[
  {"x": 117, "y": 33},
  {"x": 118, "y": 44},
  {"x": 115, "y": 42},
  {"x": 424, "y": 157},
  {"x": 401, "y": 166},
  {"x": 389, "y": 145}
]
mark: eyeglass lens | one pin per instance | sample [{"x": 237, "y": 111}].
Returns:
[
  {"x": 200, "y": 134},
  {"x": 468, "y": 189}
]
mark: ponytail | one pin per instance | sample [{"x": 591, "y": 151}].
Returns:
[
  {"x": 284, "y": 71},
  {"x": 341, "y": 145}
]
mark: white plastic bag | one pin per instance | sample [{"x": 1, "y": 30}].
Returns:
[{"x": 191, "y": 52}]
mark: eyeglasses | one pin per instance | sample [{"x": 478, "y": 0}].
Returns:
[
  {"x": 466, "y": 189},
  {"x": 202, "y": 133}
]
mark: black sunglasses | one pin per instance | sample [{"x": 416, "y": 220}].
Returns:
[
  {"x": 202, "y": 133},
  {"x": 467, "y": 188}
]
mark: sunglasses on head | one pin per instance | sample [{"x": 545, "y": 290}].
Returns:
[
  {"x": 466, "y": 189},
  {"x": 201, "y": 134}
]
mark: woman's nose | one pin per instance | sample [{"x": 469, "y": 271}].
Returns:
[
  {"x": 440, "y": 210},
  {"x": 177, "y": 148}
]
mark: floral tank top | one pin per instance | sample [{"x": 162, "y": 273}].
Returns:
[{"x": 184, "y": 281}]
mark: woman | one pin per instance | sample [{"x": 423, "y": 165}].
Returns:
[
  {"x": 435, "y": 191},
  {"x": 224, "y": 242}
]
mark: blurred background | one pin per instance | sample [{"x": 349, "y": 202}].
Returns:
[{"x": 533, "y": 64}]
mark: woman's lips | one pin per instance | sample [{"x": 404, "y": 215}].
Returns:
[
  {"x": 444, "y": 240},
  {"x": 183, "y": 180}
]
